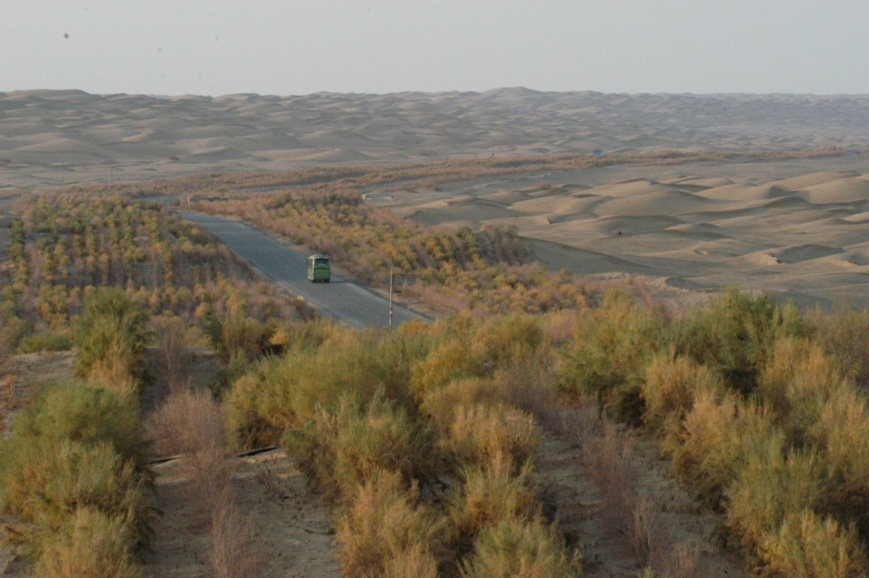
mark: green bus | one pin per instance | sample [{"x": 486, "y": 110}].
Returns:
[{"x": 319, "y": 268}]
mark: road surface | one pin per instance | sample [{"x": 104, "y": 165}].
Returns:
[{"x": 342, "y": 299}]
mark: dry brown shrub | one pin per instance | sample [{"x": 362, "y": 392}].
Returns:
[
  {"x": 482, "y": 433},
  {"x": 491, "y": 494},
  {"x": 191, "y": 423},
  {"x": 681, "y": 561},
  {"x": 671, "y": 384},
  {"x": 440, "y": 404},
  {"x": 644, "y": 530},
  {"x": 386, "y": 530},
  {"x": 235, "y": 551},
  {"x": 529, "y": 384},
  {"x": 609, "y": 457},
  {"x": 173, "y": 354}
]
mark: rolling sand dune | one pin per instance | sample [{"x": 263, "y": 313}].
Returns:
[{"x": 796, "y": 227}]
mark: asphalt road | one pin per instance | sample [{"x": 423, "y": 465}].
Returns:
[{"x": 342, "y": 299}]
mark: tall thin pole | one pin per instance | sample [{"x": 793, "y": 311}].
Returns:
[{"x": 390, "y": 298}]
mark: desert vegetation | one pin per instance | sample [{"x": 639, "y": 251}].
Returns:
[
  {"x": 424, "y": 440},
  {"x": 64, "y": 246},
  {"x": 761, "y": 418}
]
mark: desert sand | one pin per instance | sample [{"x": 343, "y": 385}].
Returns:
[{"x": 796, "y": 228}]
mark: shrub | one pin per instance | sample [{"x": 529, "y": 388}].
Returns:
[
  {"x": 84, "y": 413},
  {"x": 718, "y": 436},
  {"x": 796, "y": 382},
  {"x": 520, "y": 549},
  {"x": 44, "y": 482},
  {"x": 112, "y": 335},
  {"x": 448, "y": 361},
  {"x": 490, "y": 494},
  {"x": 190, "y": 422},
  {"x": 734, "y": 335},
  {"x": 609, "y": 458},
  {"x": 482, "y": 433},
  {"x": 770, "y": 485},
  {"x": 45, "y": 341},
  {"x": 238, "y": 337},
  {"x": 280, "y": 393},
  {"x": 528, "y": 383},
  {"x": 91, "y": 544},
  {"x": 670, "y": 387},
  {"x": 342, "y": 449},
  {"x": 842, "y": 435},
  {"x": 608, "y": 357},
  {"x": 503, "y": 340},
  {"x": 386, "y": 530},
  {"x": 808, "y": 546},
  {"x": 439, "y": 404},
  {"x": 844, "y": 334},
  {"x": 234, "y": 551}
]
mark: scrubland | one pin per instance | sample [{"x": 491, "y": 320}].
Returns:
[{"x": 424, "y": 440}]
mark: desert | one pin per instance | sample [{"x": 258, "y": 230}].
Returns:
[{"x": 717, "y": 211}]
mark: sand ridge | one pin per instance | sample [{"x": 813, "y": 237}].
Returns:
[
  {"x": 802, "y": 238},
  {"x": 55, "y": 137}
]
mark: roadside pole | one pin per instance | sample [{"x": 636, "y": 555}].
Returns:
[{"x": 390, "y": 298}]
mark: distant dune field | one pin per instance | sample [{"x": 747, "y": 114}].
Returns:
[{"x": 797, "y": 227}]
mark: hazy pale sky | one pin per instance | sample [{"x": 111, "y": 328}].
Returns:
[{"x": 294, "y": 47}]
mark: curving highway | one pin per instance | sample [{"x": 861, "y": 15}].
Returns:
[{"x": 342, "y": 299}]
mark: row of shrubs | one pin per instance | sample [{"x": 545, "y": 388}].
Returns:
[
  {"x": 759, "y": 405},
  {"x": 431, "y": 470},
  {"x": 73, "y": 474},
  {"x": 73, "y": 468},
  {"x": 65, "y": 246},
  {"x": 762, "y": 411}
]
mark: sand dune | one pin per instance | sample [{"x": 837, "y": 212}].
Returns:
[{"x": 795, "y": 227}]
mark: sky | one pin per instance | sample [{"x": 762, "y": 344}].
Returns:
[{"x": 297, "y": 47}]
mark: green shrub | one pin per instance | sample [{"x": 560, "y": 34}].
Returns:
[
  {"x": 439, "y": 404},
  {"x": 772, "y": 484},
  {"x": 382, "y": 437},
  {"x": 717, "y": 438},
  {"x": 520, "y": 549},
  {"x": 735, "y": 334},
  {"x": 45, "y": 481},
  {"x": 607, "y": 359},
  {"x": 844, "y": 334},
  {"x": 90, "y": 544},
  {"x": 341, "y": 449},
  {"x": 282, "y": 392},
  {"x": 45, "y": 341},
  {"x": 841, "y": 434},
  {"x": 112, "y": 335},
  {"x": 490, "y": 494},
  {"x": 84, "y": 413},
  {"x": 448, "y": 361},
  {"x": 808, "y": 546},
  {"x": 796, "y": 382},
  {"x": 502, "y": 340},
  {"x": 238, "y": 337}
]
